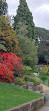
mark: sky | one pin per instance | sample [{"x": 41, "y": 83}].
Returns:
[{"x": 39, "y": 9}]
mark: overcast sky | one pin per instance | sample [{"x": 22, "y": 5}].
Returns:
[{"x": 39, "y": 9}]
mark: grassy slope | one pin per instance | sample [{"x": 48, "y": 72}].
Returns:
[{"x": 11, "y": 96}]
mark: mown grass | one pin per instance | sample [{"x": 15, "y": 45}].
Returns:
[{"x": 11, "y": 96}]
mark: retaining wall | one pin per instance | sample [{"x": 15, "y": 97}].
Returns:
[
  {"x": 30, "y": 106},
  {"x": 31, "y": 87}
]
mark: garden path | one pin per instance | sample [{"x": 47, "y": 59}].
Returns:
[{"x": 45, "y": 107}]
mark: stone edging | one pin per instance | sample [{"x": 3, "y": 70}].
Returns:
[{"x": 30, "y": 106}]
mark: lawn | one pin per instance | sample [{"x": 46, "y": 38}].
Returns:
[{"x": 11, "y": 96}]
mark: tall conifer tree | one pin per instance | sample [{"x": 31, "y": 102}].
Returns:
[{"x": 24, "y": 16}]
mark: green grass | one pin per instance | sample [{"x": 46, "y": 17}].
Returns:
[{"x": 11, "y": 96}]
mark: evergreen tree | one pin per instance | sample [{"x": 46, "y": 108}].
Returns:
[
  {"x": 3, "y": 7},
  {"x": 25, "y": 16}
]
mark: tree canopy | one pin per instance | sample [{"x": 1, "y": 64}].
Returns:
[
  {"x": 7, "y": 37},
  {"x": 24, "y": 16},
  {"x": 43, "y": 44},
  {"x": 3, "y": 7},
  {"x": 29, "y": 51}
]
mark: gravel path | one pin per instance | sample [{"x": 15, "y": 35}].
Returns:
[
  {"x": 45, "y": 89},
  {"x": 45, "y": 107}
]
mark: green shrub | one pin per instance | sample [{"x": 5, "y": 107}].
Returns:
[
  {"x": 36, "y": 69},
  {"x": 27, "y": 70},
  {"x": 44, "y": 70},
  {"x": 30, "y": 78},
  {"x": 35, "y": 81},
  {"x": 43, "y": 77},
  {"x": 2, "y": 47},
  {"x": 20, "y": 75},
  {"x": 48, "y": 81},
  {"x": 19, "y": 81},
  {"x": 26, "y": 78}
]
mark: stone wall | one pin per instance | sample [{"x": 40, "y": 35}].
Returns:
[
  {"x": 30, "y": 86},
  {"x": 38, "y": 88},
  {"x": 30, "y": 106}
]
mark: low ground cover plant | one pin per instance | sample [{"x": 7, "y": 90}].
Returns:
[{"x": 44, "y": 73}]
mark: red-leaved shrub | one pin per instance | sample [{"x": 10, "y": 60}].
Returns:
[{"x": 9, "y": 65}]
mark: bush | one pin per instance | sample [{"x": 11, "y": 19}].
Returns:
[
  {"x": 21, "y": 75},
  {"x": 29, "y": 50},
  {"x": 48, "y": 81},
  {"x": 19, "y": 81},
  {"x": 8, "y": 42},
  {"x": 9, "y": 64},
  {"x": 43, "y": 77},
  {"x": 29, "y": 78},
  {"x": 26, "y": 78},
  {"x": 45, "y": 70},
  {"x": 6, "y": 75},
  {"x": 36, "y": 82},
  {"x": 27, "y": 70}
]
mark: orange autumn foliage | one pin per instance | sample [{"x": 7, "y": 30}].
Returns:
[{"x": 7, "y": 36}]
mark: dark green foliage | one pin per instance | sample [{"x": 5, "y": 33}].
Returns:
[
  {"x": 43, "y": 77},
  {"x": 24, "y": 16},
  {"x": 19, "y": 81},
  {"x": 26, "y": 78},
  {"x": 25, "y": 32},
  {"x": 42, "y": 33},
  {"x": 43, "y": 46},
  {"x": 3, "y": 7},
  {"x": 2, "y": 44},
  {"x": 21, "y": 29},
  {"x": 36, "y": 82},
  {"x": 29, "y": 51},
  {"x": 2, "y": 48},
  {"x": 27, "y": 70}
]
